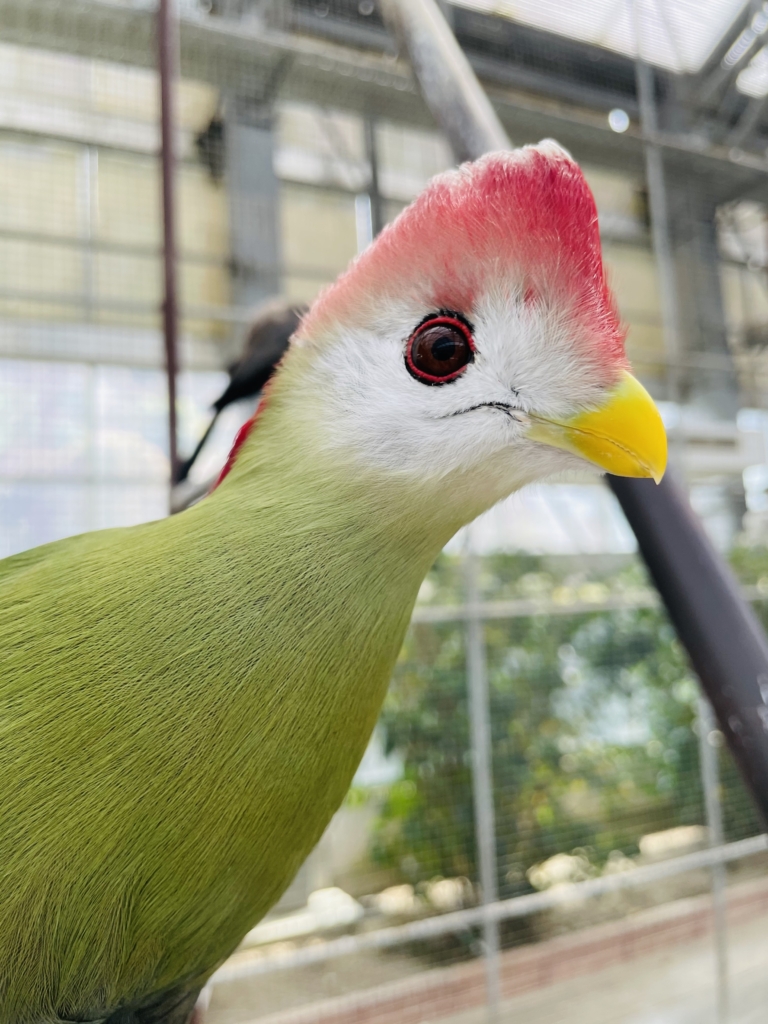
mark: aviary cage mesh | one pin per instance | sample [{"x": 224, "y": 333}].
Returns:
[{"x": 299, "y": 133}]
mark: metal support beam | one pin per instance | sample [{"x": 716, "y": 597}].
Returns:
[
  {"x": 710, "y": 777},
  {"x": 254, "y": 199},
  {"x": 448, "y": 84},
  {"x": 482, "y": 774},
  {"x": 701, "y": 325},
  {"x": 660, "y": 229},
  {"x": 725, "y": 643},
  {"x": 735, "y": 48},
  {"x": 687, "y": 260},
  {"x": 748, "y": 122},
  {"x": 226, "y": 53},
  {"x": 374, "y": 192},
  {"x": 167, "y": 41}
]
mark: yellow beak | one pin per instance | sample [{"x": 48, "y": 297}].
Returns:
[{"x": 624, "y": 435}]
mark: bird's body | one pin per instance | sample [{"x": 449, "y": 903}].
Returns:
[
  {"x": 198, "y": 813},
  {"x": 183, "y": 704},
  {"x": 198, "y": 809}
]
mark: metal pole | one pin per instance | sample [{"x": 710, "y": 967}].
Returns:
[
  {"x": 167, "y": 43},
  {"x": 659, "y": 208},
  {"x": 482, "y": 772},
  {"x": 448, "y": 83},
  {"x": 667, "y": 278},
  {"x": 710, "y": 777},
  {"x": 658, "y": 202},
  {"x": 724, "y": 640},
  {"x": 374, "y": 193}
]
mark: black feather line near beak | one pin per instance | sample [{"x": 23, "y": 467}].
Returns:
[{"x": 514, "y": 413}]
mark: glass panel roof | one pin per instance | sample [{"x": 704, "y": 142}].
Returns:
[{"x": 675, "y": 34}]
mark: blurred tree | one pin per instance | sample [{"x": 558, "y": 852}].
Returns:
[{"x": 593, "y": 726}]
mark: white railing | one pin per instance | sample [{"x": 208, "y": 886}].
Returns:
[{"x": 502, "y": 910}]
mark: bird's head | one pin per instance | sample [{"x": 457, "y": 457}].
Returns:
[{"x": 477, "y": 337}]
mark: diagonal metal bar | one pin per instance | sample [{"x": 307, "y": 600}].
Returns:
[
  {"x": 724, "y": 640},
  {"x": 448, "y": 83},
  {"x": 748, "y": 122}
]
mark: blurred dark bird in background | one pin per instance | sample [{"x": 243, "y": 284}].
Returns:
[
  {"x": 209, "y": 144},
  {"x": 265, "y": 344}
]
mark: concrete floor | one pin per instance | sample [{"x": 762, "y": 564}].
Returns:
[
  {"x": 672, "y": 986},
  {"x": 255, "y": 999}
]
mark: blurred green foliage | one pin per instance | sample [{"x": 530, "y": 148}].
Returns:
[{"x": 593, "y": 726}]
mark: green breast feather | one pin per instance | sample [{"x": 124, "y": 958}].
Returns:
[{"x": 182, "y": 708}]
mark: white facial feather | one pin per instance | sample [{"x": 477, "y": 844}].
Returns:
[{"x": 529, "y": 357}]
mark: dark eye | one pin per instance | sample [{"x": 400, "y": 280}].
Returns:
[{"x": 439, "y": 350}]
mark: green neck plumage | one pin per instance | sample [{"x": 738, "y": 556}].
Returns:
[
  {"x": 286, "y": 467},
  {"x": 216, "y": 747}
]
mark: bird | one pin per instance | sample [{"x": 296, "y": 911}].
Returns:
[
  {"x": 184, "y": 702},
  {"x": 267, "y": 337}
]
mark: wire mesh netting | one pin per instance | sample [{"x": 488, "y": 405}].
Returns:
[{"x": 299, "y": 134}]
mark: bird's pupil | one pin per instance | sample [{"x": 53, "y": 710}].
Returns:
[{"x": 444, "y": 348}]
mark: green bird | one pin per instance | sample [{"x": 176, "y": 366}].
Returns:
[{"x": 183, "y": 704}]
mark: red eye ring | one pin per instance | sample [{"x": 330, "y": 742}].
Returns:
[{"x": 440, "y": 349}]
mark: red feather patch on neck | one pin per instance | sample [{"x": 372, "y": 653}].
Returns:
[
  {"x": 240, "y": 439},
  {"x": 243, "y": 434}
]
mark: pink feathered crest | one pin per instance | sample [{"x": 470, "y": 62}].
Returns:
[{"x": 526, "y": 216}]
